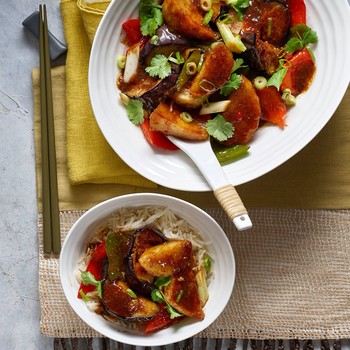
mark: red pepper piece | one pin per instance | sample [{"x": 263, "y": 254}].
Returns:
[
  {"x": 95, "y": 266},
  {"x": 301, "y": 69},
  {"x": 297, "y": 10},
  {"x": 132, "y": 30},
  {"x": 156, "y": 138},
  {"x": 272, "y": 106},
  {"x": 160, "y": 321}
]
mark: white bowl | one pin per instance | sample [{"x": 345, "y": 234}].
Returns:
[
  {"x": 270, "y": 147},
  {"x": 219, "y": 248}
]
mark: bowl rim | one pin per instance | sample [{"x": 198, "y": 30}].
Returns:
[{"x": 176, "y": 333}]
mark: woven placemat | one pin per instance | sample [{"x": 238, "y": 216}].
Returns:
[{"x": 293, "y": 271}]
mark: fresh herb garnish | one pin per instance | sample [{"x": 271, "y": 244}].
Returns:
[
  {"x": 162, "y": 281},
  {"x": 151, "y": 17},
  {"x": 134, "y": 110},
  {"x": 158, "y": 296},
  {"x": 235, "y": 79},
  {"x": 239, "y": 6},
  {"x": 178, "y": 59},
  {"x": 219, "y": 128},
  {"x": 277, "y": 78},
  {"x": 302, "y": 37},
  {"x": 88, "y": 278},
  {"x": 232, "y": 84},
  {"x": 207, "y": 263},
  {"x": 159, "y": 67},
  {"x": 208, "y": 16},
  {"x": 83, "y": 296}
]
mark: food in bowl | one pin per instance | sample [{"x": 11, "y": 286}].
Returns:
[
  {"x": 145, "y": 268},
  {"x": 199, "y": 69}
]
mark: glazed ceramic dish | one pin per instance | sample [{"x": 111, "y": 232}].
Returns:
[
  {"x": 218, "y": 247},
  {"x": 270, "y": 147}
]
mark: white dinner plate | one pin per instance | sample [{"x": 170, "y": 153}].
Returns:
[{"x": 270, "y": 147}]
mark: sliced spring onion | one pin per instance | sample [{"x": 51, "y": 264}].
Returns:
[
  {"x": 178, "y": 298},
  {"x": 132, "y": 63},
  {"x": 124, "y": 98},
  {"x": 154, "y": 39},
  {"x": 202, "y": 286},
  {"x": 186, "y": 117},
  {"x": 205, "y": 5},
  {"x": 208, "y": 16},
  {"x": 131, "y": 293},
  {"x": 207, "y": 85},
  {"x": 215, "y": 107},
  {"x": 232, "y": 41},
  {"x": 191, "y": 68},
  {"x": 121, "y": 59},
  {"x": 260, "y": 82},
  {"x": 184, "y": 77},
  {"x": 269, "y": 27},
  {"x": 288, "y": 98}
]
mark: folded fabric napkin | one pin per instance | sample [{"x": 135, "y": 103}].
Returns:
[{"x": 89, "y": 157}]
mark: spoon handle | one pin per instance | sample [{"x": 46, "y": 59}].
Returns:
[
  {"x": 203, "y": 156},
  {"x": 230, "y": 201}
]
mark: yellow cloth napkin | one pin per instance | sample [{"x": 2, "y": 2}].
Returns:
[
  {"x": 84, "y": 196},
  {"x": 90, "y": 159}
]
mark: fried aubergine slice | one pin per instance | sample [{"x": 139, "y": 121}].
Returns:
[
  {"x": 167, "y": 119},
  {"x": 215, "y": 71},
  {"x": 135, "y": 275},
  {"x": 186, "y": 18},
  {"x": 243, "y": 112}
]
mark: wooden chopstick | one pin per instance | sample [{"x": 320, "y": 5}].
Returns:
[{"x": 51, "y": 221}]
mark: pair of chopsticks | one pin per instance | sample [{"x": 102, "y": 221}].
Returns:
[{"x": 51, "y": 221}]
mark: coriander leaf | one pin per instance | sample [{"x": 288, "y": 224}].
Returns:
[
  {"x": 277, "y": 78},
  {"x": 88, "y": 278},
  {"x": 232, "y": 84},
  {"x": 159, "y": 67},
  {"x": 238, "y": 64},
  {"x": 151, "y": 17},
  {"x": 162, "y": 281},
  {"x": 134, "y": 110},
  {"x": 157, "y": 296},
  {"x": 172, "y": 312},
  {"x": 294, "y": 44},
  {"x": 219, "y": 128},
  {"x": 239, "y": 6},
  {"x": 310, "y": 37}
]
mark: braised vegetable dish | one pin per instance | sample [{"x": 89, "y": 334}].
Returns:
[
  {"x": 146, "y": 268},
  {"x": 199, "y": 69}
]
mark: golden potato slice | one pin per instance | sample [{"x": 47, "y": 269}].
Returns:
[
  {"x": 167, "y": 119},
  {"x": 186, "y": 17},
  {"x": 215, "y": 71},
  {"x": 167, "y": 258},
  {"x": 243, "y": 112}
]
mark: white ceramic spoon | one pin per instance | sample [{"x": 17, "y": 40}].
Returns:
[{"x": 203, "y": 156}]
